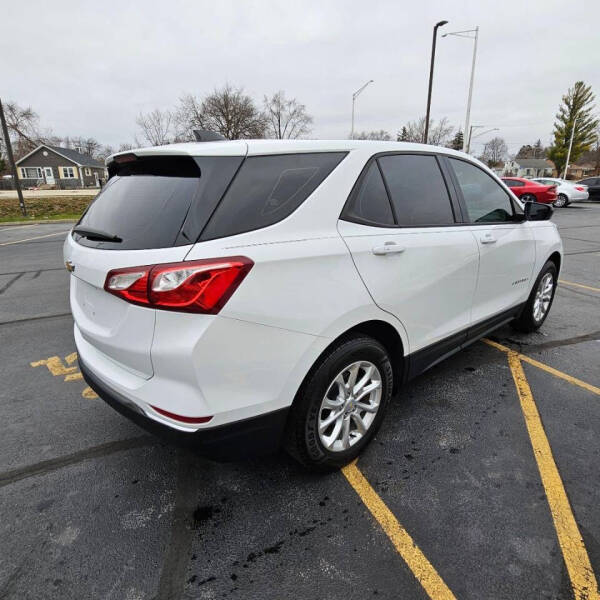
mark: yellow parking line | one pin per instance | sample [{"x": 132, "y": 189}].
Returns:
[
  {"x": 37, "y": 237},
  {"x": 571, "y": 543},
  {"x": 547, "y": 368},
  {"x": 422, "y": 569},
  {"x": 585, "y": 287}
]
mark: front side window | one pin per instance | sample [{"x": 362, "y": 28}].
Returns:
[
  {"x": 485, "y": 200},
  {"x": 68, "y": 172},
  {"x": 370, "y": 203},
  {"x": 267, "y": 189},
  {"x": 417, "y": 190}
]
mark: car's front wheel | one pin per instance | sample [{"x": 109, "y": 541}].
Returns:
[
  {"x": 341, "y": 403},
  {"x": 540, "y": 299}
]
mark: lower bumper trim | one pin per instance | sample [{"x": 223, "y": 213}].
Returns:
[{"x": 256, "y": 436}]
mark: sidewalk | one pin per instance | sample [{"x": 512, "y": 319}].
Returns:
[
  {"x": 37, "y": 222},
  {"x": 92, "y": 192}
]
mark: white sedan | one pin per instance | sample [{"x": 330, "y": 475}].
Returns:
[{"x": 566, "y": 191}]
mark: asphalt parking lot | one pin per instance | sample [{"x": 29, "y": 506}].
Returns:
[{"x": 482, "y": 483}]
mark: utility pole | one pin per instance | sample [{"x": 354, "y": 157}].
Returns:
[
  {"x": 570, "y": 146},
  {"x": 11, "y": 160},
  {"x": 433, "y": 43}
]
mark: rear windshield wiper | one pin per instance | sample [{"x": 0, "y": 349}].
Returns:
[{"x": 96, "y": 234}]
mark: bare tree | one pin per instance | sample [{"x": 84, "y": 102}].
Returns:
[
  {"x": 373, "y": 135},
  {"x": 228, "y": 110},
  {"x": 286, "y": 119},
  {"x": 494, "y": 152},
  {"x": 188, "y": 117},
  {"x": 23, "y": 128},
  {"x": 126, "y": 146},
  {"x": 91, "y": 146},
  {"x": 104, "y": 152},
  {"x": 156, "y": 127},
  {"x": 439, "y": 133}
]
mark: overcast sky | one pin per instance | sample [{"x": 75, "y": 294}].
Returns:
[{"x": 88, "y": 68}]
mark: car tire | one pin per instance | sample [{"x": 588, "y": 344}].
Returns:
[
  {"x": 528, "y": 198},
  {"x": 321, "y": 399},
  {"x": 561, "y": 201},
  {"x": 540, "y": 300}
]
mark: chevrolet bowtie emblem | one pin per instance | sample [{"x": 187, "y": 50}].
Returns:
[{"x": 70, "y": 266}]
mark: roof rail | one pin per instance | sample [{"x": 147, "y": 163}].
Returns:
[{"x": 204, "y": 135}]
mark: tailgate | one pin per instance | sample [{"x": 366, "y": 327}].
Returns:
[{"x": 121, "y": 331}]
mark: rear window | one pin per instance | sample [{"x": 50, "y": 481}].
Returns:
[
  {"x": 267, "y": 189},
  {"x": 158, "y": 202}
]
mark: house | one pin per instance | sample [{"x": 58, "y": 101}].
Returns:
[
  {"x": 528, "y": 167},
  {"x": 60, "y": 167},
  {"x": 581, "y": 171}
]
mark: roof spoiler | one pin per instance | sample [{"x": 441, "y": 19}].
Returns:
[{"x": 204, "y": 135}]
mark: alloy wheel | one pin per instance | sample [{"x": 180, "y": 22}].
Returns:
[
  {"x": 349, "y": 406},
  {"x": 543, "y": 297},
  {"x": 560, "y": 201}
]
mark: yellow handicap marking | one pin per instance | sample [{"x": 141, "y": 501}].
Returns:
[{"x": 58, "y": 368}]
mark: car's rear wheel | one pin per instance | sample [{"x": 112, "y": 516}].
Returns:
[
  {"x": 341, "y": 404},
  {"x": 528, "y": 198},
  {"x": 540, "y": 300},
  {"x": 561, "y": 201}
]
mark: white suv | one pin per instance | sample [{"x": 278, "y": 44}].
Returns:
[{"x": 251, "y": 294}]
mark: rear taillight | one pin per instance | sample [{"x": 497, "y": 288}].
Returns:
[
  {"x": 199, "y": 286},
  {"x": 580, "y": 188}
]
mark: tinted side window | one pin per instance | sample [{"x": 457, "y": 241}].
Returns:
[
  {"x": 485, "y": 200},
  {"x": 513, "y": 183},
  {"x": 417, "y": 190},
  {"x": 267, "y": 189},
  {"x": 370, "y": 202}
]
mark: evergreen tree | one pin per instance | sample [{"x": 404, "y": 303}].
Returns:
[
  {"x": 457, "y": 141},
  {"x": 538, "y": 150},
  {"x": 574, "y": 114},
  {"x": 402, "y": 135}
]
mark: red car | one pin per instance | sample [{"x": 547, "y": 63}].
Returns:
[{"x": 531, "y": 191}]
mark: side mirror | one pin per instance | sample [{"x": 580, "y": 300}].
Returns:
[{"x": 536, "y": 211}]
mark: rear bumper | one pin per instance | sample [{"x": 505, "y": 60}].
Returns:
[{"x": 255, "y": 436}]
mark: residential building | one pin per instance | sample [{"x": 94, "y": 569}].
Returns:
[
  {"x": 528, "y": 167},
  {"x": 60, "y": 167}
]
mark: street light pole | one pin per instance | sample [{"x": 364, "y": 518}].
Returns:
[
  {"x": 11, "y": 160},
  {"x": 570, "y": 146},
  {"x": 474, "y": 35},
  {"x": 433, "y": 43},
  {"x": 472, "y": 137},
  {"x": 354, "y": 97}
]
